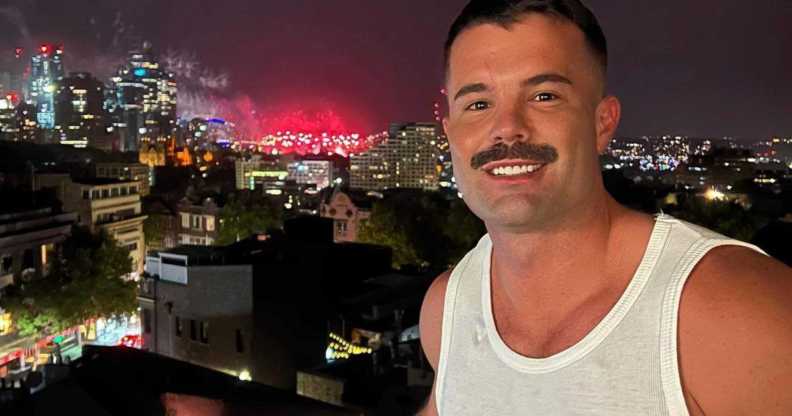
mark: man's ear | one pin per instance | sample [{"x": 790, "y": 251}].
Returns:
[
  {"x": 608, "y": 117},
  {"x": 445, "y": 126}
]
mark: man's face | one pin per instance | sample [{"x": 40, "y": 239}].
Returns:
[{"x": 527, "y": 121}]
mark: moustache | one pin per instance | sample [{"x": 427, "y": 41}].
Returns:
[{"x": 537, "y": 153}]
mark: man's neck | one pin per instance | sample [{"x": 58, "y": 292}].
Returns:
[{"x": 559, "y": 267}]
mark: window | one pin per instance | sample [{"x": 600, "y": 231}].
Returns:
[
  {"x": 146, "y": 321},
  {"x": 179, "y": 327},
  {"x": 196, "y": 222},
  {"x": 133, "y": 190},
  {"x": 193, "y": 332},
  {"x": 132, "y": 247},
  {"x": 115, "y": 192},
  {"x": 240, "y": 345},
  {"x": 95, "y": 194},
  {"x": 124, "y": 191},
  {"x": 105, "y": 193},
  {"x": 341, "y": 227},
  {"x": 6, "y": 264},
  {"x": 205, "y": 332},
  {"x": 86, "y": 194},
  {"x": 28, "y": 260}
]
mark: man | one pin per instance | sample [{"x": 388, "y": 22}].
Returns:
[{"x": 573, "y": 304}]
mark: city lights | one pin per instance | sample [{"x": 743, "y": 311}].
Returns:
[{"x": 341, "y": 349}]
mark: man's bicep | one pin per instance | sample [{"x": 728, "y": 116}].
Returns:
[
  {"x": 431, "y": 321},
  {"x": 735, "y": 334}
]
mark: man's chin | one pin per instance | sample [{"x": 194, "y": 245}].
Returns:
[{"x": 512, "y": 215}]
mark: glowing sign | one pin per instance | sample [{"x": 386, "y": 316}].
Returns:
[
  {"x": 216, "y": 121},
  {"x": 140, "y": 72},
  {"x": 269, "y": 174}
]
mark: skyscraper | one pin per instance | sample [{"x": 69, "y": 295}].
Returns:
[
  {"x": 406, "y": 159},
  {"x": 144, "y": 104},
  {"x": 46, "y": 69},
  {"x": 79, "y": 113}
]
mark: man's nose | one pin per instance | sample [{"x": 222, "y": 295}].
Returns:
[{"x": 510, "y": 125}]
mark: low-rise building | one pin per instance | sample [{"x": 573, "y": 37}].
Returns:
[
  {"x": 349, "y": 211},
  {"x": 110, "y": 205},
  {"x": 198, "y": 222},
  {"x": 28, "y": 242},
  {"x": 128, "y": 172},
  {"x": 257, "y": 309}
]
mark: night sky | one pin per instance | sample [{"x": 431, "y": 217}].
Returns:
[{"x": 700, "y": 68}]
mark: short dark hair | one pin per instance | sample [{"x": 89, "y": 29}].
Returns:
[{"x": 508, "y": 12}]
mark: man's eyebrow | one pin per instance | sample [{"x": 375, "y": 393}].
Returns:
[
  {"x": 548, "y": 77},
  {"x": 533, "y": 81},
  {"x": 470, "y": 89}
]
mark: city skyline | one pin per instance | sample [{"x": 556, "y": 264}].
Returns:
[{"x": 708, "y": 69}]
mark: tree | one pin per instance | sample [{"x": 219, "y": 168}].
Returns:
[
  {"x": 246, "y": 214},
  {"x": 724, "y": 217},
  {"x": 154, "y": 229},
  {"x": 422, "y": 228},
  {"x": 86, "y": 282}
]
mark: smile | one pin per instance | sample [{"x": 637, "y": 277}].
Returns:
[{"x": 514, "y": 170}]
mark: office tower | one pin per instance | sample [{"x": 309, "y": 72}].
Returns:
[
  {"x": 144, "y": 106},
  {"x": 79, "y": 113},
  {"x": 46, "y": 69}
]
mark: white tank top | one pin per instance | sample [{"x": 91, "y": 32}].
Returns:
[{"x": 627, "y": 365}]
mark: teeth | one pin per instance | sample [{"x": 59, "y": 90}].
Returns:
[{"x": 515, "y": 170}]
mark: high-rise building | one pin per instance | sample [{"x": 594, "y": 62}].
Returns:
[
  {"x": 406, "y": 159},
  {"x": 79, "y": 112},
  {"x": 144, "y": 103},
  {"x": 46, "y": 69}
]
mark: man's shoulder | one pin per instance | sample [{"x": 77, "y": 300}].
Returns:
[{"x": 735, "y": 331}]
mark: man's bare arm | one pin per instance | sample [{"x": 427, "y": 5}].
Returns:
[
  {"x": 431, "y": 323},
  {"x": 735, "y": 335}
]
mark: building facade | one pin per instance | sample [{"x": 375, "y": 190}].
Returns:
[
  {"x": 311, "y": 172},
  {"x": 348, "y": 215},
  {"x": 260, "y": 173},
  {"x": 257, "y": 309},
  {"x": 128, "y": 172},
  {"x": 79, "y": 110},
  {"x": 408, "y": 158},
  {"x": 46, "y": 70},
  {"x": 28, "y": 242},
  {"x": 144, "y": 102},
  {"x": 198, "y": 223},
  {"x": 110, "y": 205}
]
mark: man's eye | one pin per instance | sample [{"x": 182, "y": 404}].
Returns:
[
  {"x": 478, "y": 106},
  {"x": 545, "y": 96}
]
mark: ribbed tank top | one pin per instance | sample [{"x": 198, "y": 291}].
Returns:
[{"x": 627, "y": 365}]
